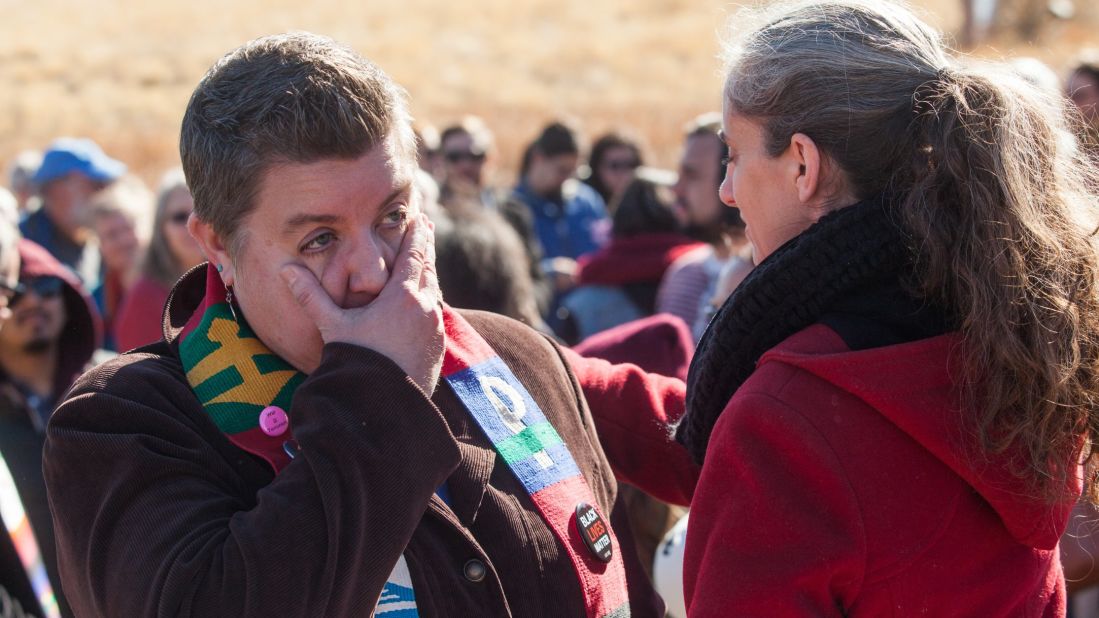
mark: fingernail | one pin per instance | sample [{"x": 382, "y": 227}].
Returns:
[{"x": 288, "y": 275}]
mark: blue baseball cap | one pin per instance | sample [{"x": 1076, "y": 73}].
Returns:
[{"x": 68, "y": 154}]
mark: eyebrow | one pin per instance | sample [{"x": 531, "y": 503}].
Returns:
[{"x": 303, "y": 219}]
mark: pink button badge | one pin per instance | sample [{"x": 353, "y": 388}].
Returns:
[{"x": 273, "y": 421}]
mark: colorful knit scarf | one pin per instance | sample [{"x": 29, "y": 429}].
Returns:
[{"x": 237, "y": 378}]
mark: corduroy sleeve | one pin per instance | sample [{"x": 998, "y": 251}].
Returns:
[
  {"x": 633, "y": 411},
  {"x": 158, "y": 515}
]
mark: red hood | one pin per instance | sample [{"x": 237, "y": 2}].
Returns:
[
  {"x": 637, "y": 259},
  {"x": 911, "y": 385},
  {"x": 83, "y": 331}
]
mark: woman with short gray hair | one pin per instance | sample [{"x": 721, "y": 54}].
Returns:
[{"x": 316, "y": 434}]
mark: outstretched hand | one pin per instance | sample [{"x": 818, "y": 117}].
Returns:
[{"x": 405, "y": 321}]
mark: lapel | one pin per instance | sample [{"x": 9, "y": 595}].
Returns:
[
  {"x": 474, "y": 473},
  {"x": 469, "y": 482}
]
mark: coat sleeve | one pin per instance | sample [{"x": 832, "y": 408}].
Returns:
[
  {"x": 153, "y": 519},
  {"x": 633, "y": 412},
  {"x": 775, "y": 529}
]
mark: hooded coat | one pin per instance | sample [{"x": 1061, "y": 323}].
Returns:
[
  {"x": 22, "y": 430},
  {"x": 837, "y": 482}
]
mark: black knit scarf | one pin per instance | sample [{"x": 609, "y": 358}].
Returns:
[{"x": 847, "y": 250}]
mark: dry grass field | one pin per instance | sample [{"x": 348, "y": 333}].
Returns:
[{"x": 120, "y": 71}]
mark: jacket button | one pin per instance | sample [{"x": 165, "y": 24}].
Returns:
[{"x": 474, "y": 570}]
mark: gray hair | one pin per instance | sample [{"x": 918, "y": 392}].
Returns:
[
  {"x": 999, "y": 212},
  {"x": 289, "y": 98},
  {"x": 838, "y": 71}
]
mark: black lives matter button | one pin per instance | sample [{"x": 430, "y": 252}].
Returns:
[{"x": 594, "y": 531}]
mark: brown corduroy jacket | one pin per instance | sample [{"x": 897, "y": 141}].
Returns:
[{"x": 158, "y": 514}]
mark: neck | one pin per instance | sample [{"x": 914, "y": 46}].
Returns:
[
  {"x": 35, "y": 371},
  {"x": 795, "y": 286}
]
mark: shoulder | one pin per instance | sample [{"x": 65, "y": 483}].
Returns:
[
  {"x": 147, "y": 378},
  {"x": 505, "y": 334},
  {"x": 584, "y": 195},
  {"x": 779, "y": 376},
  {"x": 806, "y": 403},
  {"x": 850, "y": 404},
  {"x": 535, "y": 359}
]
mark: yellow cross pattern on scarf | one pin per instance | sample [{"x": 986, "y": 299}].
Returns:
[{"x": 235, "y": 351}]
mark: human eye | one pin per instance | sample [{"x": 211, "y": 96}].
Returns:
[
  {"x": 396, "y": 216},
  {"x": 318, "y": 243}
]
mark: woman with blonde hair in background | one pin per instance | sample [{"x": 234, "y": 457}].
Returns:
[
  {"x": 120, "y": 217},
  {"x": 171, "y": 253},
  {"x": 890, "y": 412}
]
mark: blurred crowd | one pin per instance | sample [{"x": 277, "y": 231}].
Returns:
[{"x": 590, "y": 245}]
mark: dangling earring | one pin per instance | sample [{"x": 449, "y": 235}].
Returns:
[{"x": 229, "y": 301}]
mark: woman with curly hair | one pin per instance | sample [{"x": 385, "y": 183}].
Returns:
[{"x": 891, "y": 411}]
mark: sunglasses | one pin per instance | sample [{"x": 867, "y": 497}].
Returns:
[
  {"x": 622, "y": 165},
  {"x": 456, "y": 156},
  {"x": 47, "y": 286},
  {"x": 179, "y": 218}
]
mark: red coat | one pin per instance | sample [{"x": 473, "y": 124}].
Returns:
[
  {"x": 836, "y": 483},
  {"x": 140, "y": 318}
]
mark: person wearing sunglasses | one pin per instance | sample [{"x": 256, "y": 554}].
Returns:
[
  {"x": 171, "y": 253},
  {"x": 48, "y": 333},
  {"x": 465, "y": 148},
  {"x": 615, "y": 157}
]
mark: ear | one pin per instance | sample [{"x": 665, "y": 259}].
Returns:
[
  {"x": 808, "y": 159},
  {"x": 213, "y": 247}
]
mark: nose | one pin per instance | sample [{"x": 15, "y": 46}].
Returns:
[
  {"x": 725, "y": 191},
  {"x": 365, "y": 270},
  {"x": 29, "y": 298}
]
